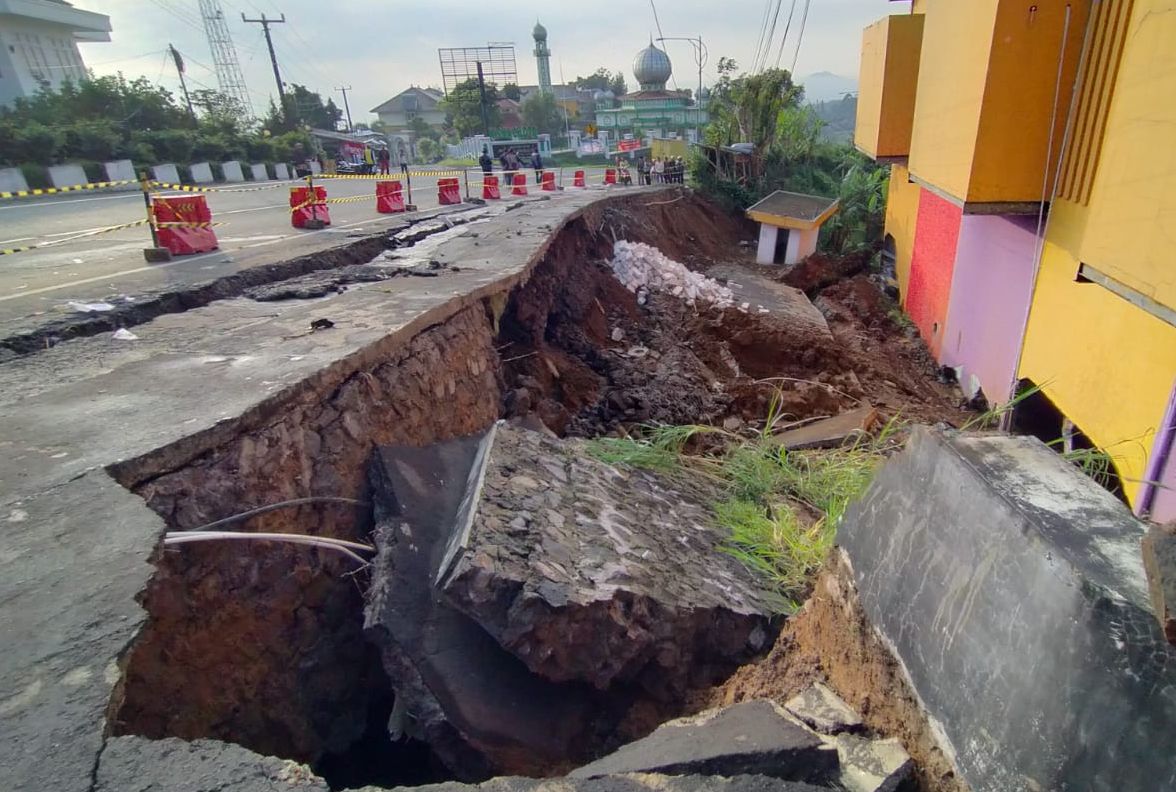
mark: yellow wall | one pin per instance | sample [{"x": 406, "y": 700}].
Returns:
[
  {"x": 1107, "y": 365},
  {"x": 902, "y": 209},
  {"x": 1131, "y": 235},
  {"x": 888, "y": 77},
  {"x": 669, "y": 148},
  {"x": 1010, "y": 161},
  {"x": 957, "y": 37}
]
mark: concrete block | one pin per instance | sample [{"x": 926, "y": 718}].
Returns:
[
  {"x": 830, "y": 432},
  {"x": 232, "y": 171},
  {"x": 258, "y": 172},
  {"x": 315, "y": 168},
  {"x": 120, "y": 170},
  {"x": 1159, "y": 560},
  {"x": 201, "y": 172},
  {"x": 12, "y": 180},
  {"x": 67, "y": 175},
  {"x": 1011, "y": 590},
  {"x": 752, "y": 738},
  {"x": 823, "y": 710},
  {"x": 282, "y": 171},
  {"x": 168, "y": 174},
  {"x": 136, "y": 764}
]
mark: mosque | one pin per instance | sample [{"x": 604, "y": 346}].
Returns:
[{"x": 652, "y": 110}]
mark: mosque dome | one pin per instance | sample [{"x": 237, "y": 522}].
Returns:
[
  {"x": 540, "y": 32},
  {"x": 652, "y": 68}
]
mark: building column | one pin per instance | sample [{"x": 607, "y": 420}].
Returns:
[
  {"x": 800, "y": 244},
  {"x": 766, "y": 252}
]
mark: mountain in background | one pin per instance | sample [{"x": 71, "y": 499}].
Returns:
[
  {"x": 839, "y": 116},
  {"x": 826, "y": 86}
]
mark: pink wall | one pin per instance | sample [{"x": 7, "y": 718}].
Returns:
[
  {"x": 991, "y": 287},
  {"x": 936, "y": 234},
  {"x": 1161, "y": 467}
]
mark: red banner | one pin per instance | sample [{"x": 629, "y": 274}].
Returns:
[{"x": 628, "y": 145}]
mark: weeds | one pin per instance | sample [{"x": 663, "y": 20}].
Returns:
[{"x": 781, "y": 508}]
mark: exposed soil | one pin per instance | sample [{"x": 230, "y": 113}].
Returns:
[{"x": 831, "y": 641}]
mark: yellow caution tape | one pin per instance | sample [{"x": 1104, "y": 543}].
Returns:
[
  {"x": 74, "y": 188},
  {"x": 350, "y": 200},
  {"x": 188, "y": 225},
  {"x": 195, "y": 189},
  {"x": 61, "y": 241},
  {"x": 394, "y": 177}
]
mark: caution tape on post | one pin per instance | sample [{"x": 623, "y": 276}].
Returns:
[
  {"x": 352, "y": 199},
  {"x": 379, "y": 177},
  {"x": 72, "y": 188}
]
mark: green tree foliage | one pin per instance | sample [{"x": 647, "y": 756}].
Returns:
[
  {"x": 511, "y": 91},
  {"x": 420, "y": 129},
  {"x": 791, "y": 153},
  {"x": 463, "y": 109},
  {"x": 542, "y": 113},
  {"x": 603, "y": 80},
  {"x": 429, "y": 149},
  {"x": 303, "y": 107},
  {"x": 110, "y": 118}
]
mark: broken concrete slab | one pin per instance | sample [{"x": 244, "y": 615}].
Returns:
[
  {"x": 823, "y": 710},
  {"x": 1159, "y": 561},
  {"x": 751, "y": 738},
  {"x": 1011, "y": 590},
  {"x": 846, "y": 427},
  {"x": 72, "y": 561},
  {"x": 135, "y": 764},
  {"x": 479, "y": 707},
  {"x": 633, "y": 782},
  {"x": 873, "y": 765},
  {"x": 781, "y": 301},
  {"x": 598, "y": 574}
]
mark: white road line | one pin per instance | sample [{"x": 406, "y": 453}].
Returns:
[
  {"x": 154, "y": 267},
  {"x": 18, "y": 239}
]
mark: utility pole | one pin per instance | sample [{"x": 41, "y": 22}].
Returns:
[
  {"x": 482, "y": 101},
  {"x": 347, "y": 107},
  {"x": 269, "y": 42},
  {"x": 180, "y": 70}
]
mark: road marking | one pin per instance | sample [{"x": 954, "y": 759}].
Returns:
[
  {"x": 154, "y": 267},
  {"x": 18, "y": 239}
]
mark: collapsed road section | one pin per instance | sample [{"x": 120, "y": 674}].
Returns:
[{"x": 508, "y": 603}]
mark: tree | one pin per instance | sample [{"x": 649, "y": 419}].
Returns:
[
  {"x": 420, "y": 129},
  {"x": 463, "y": 107},
  {"x": 429, "y": 149},
  {"x": 746, "y": 109},
  {"x": 541, "y": 112},
  {"x": 602, "y": 80},
  {"x": 311, "y": 110},
  {"x": 511, "y": 91}
]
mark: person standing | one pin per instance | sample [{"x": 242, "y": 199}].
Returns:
[
  {"x": 385, "y": 160},
  {"x": 486, "y": 162},
  {"x": 537, "y": 166}
]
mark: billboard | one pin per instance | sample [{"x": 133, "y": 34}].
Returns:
[
  {"x": 628, "y": 145},
  {"x": 459, "y": 64}
]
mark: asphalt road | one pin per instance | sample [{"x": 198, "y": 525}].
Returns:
[{"x": 81, "y": 265}]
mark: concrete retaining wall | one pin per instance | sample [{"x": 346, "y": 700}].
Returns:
[
  {"x": 232, "y": 171},
  {"x": 1011, "y": 589},
  {"x": 120, "y": 170},
  {"x": 201, "y": 173},
  {"x": 166, "y": 173},
  {"x": 67, "y": 175},
  {"x": 282, "y": 171},
  {"x": 258, "y": 172},
  {"x": 12, "y": 180}
]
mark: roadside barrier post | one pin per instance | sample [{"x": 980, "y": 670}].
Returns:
[
  {"x": 408, "y": 177},
  {"x": 465, "y": 173},
  {"x": 154, "y": 254}
]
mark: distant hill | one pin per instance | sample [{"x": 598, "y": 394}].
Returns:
[
  {"x": 826, "y": 86},
  {"x": 839, "y": 117}
]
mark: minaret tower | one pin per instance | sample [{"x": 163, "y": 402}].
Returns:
[{"x": 542, "y": 57}]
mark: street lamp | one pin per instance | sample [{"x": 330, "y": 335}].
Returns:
[{"x": 701, "y": 54}]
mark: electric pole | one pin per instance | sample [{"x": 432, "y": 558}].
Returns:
[
  {"x": 482, "y": 101},
  {"x": 347, "y": 107},
  {"x": 269, "y": 42},
  {"x": 180, "y": 70}
]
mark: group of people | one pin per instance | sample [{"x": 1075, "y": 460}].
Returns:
[
  {"x": 511, "y": 164},
  {"x": 667, "y": 170}
]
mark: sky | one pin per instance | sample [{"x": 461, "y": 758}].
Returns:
[{"x": 380, "y": 47}]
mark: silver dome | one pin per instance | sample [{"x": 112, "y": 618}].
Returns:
[
  {"x": 652, "y": 68},
  {"x": 540, "y": 32}
]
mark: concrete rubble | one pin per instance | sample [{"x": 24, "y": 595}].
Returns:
[
  {"x": 823, "y": 710},
  {"x": 752, "y": 738},
  {"x": 1159, "y": 561},
  {"x": 639, "y": 266},
  {"x": 590, "y": 573}
]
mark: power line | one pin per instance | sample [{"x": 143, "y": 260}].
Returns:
[
  {"x": 759, "y": 44},
  {"x": 800, "y": 36},
  {"x": 771, "y": 36},
  {"x": 784, "y": 38}
]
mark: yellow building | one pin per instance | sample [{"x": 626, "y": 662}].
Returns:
[{"x": 1032, "y": 209}]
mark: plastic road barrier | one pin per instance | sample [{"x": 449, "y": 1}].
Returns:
[
  {"x": 389, "y": 197},
  {"x": 610, "y": 175},
  {"x": 520, "y": 184},
  {"x": 547, "y": 181},
  {"x": 448, "y": 192},
  {"x": 183, "y": 224},
  {"x": 490, "y": 191},
  {"x": 304, "y": 208},
  {"x": 578, "y": 180}
]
